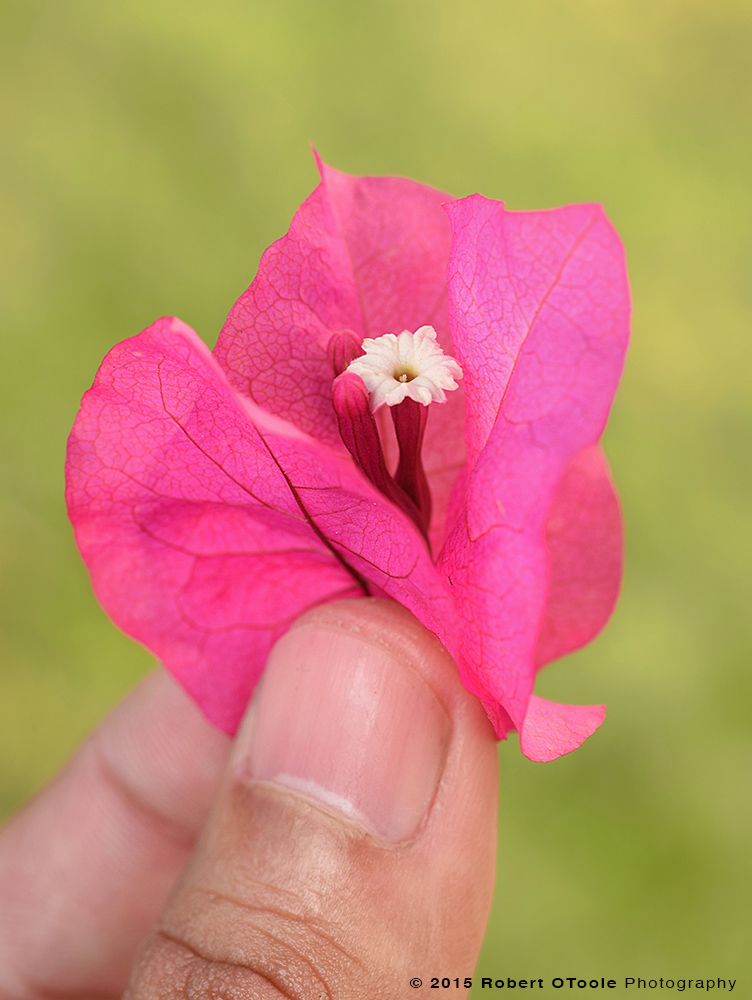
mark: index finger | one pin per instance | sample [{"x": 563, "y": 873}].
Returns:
[{"x": 86, "y": 866}]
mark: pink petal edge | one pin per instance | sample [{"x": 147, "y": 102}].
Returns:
[
  {"x": 585, "y": 543},
  {"x": 551, "y": 730}
]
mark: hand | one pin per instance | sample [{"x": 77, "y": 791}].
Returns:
[{"x": 349, "y": 848}]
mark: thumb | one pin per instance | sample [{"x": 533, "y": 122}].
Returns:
[{"x": 351, "y": 847}]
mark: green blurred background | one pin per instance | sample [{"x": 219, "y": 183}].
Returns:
[{"x": 151, "y": 150}]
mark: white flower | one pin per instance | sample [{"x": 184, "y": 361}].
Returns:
[{"x": 411, "y": 365}]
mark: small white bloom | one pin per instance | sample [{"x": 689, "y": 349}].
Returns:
[{"x": 411, "y": 365}]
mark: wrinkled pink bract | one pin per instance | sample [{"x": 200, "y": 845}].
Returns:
[{"x": 213, "y": 500}]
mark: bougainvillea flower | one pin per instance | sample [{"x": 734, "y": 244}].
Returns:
[{"x": 216, "y": 496}]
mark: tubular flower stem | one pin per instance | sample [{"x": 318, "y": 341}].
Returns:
[
  {"x": 360, "y": 435},
  {"x": 409, "y": 420}
]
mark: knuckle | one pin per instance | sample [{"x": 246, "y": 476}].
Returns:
[
  {"x": 226, "y": 948},
  {"x": 173, "y": 970}
]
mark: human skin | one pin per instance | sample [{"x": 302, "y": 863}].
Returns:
[{"x": 344, "y": 845}]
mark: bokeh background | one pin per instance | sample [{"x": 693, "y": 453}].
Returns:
[{"x": 151, "y": 150}]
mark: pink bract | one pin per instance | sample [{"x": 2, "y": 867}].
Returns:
[{"x": 213, "y": 500}]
